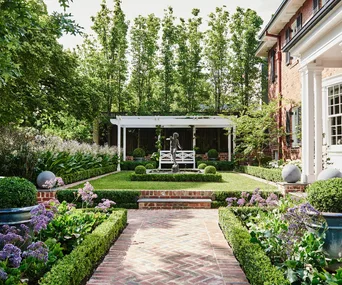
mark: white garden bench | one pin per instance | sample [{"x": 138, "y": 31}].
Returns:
[{"x": 182, "y": 157}]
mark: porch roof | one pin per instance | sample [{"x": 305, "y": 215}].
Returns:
[{"x": 172, "y": 121}]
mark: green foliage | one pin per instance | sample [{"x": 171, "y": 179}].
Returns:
[
  {"x": 140, "y": 169},
  {"x": 149, "y": 166},
  {"x": 220, "y": 165},
  {"x": 326, "y": 195},
  {"x": 123, "y": 198},
  {"x": 138, "y": 152},
  {"x": 212, "y": 153},
  {"x": 256, "y": 265},
  {"x": 210, "y": 170},
  {"x": 17, "y": 192},
  {"x": 202, "y": 166},
  {"x": 264, "y": 173},
  {"x": 177, "y": 177},
  {"x": 80, "y": 263},
  {"x": 85, "y": 174},
  {"x": 131, "y": 165}
]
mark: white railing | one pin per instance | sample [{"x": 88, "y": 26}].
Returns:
[{"x": 182, "y": 157}]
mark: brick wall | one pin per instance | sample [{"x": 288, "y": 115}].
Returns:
[{"x": 45, "y": 195}]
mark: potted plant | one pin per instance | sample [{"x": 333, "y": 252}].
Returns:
[
  {"x": 212, "y": 154},
  {"x": 326, "y": 197},
  {"x": 18, "y": 198},
  {"x": 138, "y": 154}
]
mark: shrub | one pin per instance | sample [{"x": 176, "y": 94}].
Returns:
[
  {"x": 212, "y": 153},
  {"x": 80, "y": 263},
  {"x": 149, "y": 166},
  {"x": 264, "y": 173},
  {"x": 177, "y": 177},
  {"x": 255, "y": 263},
  {"x": 210, "y": 170},
  {"x": 17, "y": 192},
  {"x": 138, "y": 152},
  {"x": 220, "y": 165},
  {"x": 131, "y": 165},
  {"x": 202, "y": 166},
  {"x": 326, "y": 195},
  {"x": 123, "y": 198},
  {"x": 140, "y": 169}
]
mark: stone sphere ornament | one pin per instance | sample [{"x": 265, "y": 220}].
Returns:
[
  {"x": 329, "y": 173},
  {"x": 291, "y": 173},
  {"x": 43, "y": 177}
]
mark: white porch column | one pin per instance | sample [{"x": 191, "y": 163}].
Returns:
[
  {"x": 119, "y": 147},
  {"x": 124, "y": 144},
  {"x": 318, "y": 120},
  {"x": 230, "y": 144},
  {"x": 308, "y": 174},
  {"x": 234, "y": 139},
  {"x": 193, "y": 137}
]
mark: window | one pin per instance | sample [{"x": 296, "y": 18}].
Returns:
[
  {"x": 288, "y": 58},
  {"x": 296, "y": 126},
  {"x": 287, "y": 35},
  {"x": 272, "y": 66},
  {"x": 288, "y": 129},
  {"x": 315, "y": 6},
  {"x": 297, "y": 24},
  {"x": 335, "y": 114}
]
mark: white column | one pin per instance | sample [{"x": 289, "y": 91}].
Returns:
[
  {"x": 124, "y": 144},
  {"x": 318, "y": 120},
  {"x": 234, "y": 139},
  {"x": 119, "y": 147},
  {"x": 194, "y": 144},
  {"x": 308, "y": 174},
  {"x": 230, "y": 144}
]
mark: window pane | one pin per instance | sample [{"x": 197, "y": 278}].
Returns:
[
  {"x": 336, "y": 90},
  {"x": 330, "y": 91}
]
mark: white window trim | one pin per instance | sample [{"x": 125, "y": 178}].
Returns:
[
  {"x": 295, "y": 140},
  {"x": 326, "y": 83}
]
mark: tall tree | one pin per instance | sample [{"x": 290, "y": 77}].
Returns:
[
  {"x": 144, "y": 47},
  {"x": 191, "y": 79},
  {"x": 244, "y": 65},
  {"x": 217, "y": 54},
  {"x": 168, "y": 70}
]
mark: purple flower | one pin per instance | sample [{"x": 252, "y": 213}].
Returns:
[
  {"x": 241, "y": 202},
  {"x": 87, "y": 194},
  {"x": 3, "y": 274},
  {"x": 231, "y": 201},
  {"x": 41, "y": 217},
  {"x": 10, "y": 238},
  {"x": 11, "y": 253},
  {"x": 105, "y": 204},
  {"x": 37, "y": 250},
  {"x": 245, "y": 195}
]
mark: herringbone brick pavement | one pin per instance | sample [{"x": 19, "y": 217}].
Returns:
[{"x": 170, "y": 247}]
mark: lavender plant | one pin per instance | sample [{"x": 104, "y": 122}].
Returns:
[{"x": 253, "y": 200}]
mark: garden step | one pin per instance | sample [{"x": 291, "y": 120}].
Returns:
[
  {"x": 177, "y": 194},
  {"x": 172, "y": 203}
]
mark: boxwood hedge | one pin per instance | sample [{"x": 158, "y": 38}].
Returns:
[
  {"x": 75, "y": 267},
  {"x": 269, "y": 174},
  {"x": 189, "y": 177},
  {"x": 131, "y": 165},
  {"x": 255, "y": 263},
  {"x": 219, "y": 165}
]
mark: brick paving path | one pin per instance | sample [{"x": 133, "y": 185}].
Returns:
[{"x": 170, "y": 247}]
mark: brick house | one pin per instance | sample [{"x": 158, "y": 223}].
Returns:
[{"x": 303, "y": 44}]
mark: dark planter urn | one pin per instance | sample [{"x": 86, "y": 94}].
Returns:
[{"x": 15, "y": 216}]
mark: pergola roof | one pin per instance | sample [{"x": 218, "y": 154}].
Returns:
[{"x": 172, "y": 121}]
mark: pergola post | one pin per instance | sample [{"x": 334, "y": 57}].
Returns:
[
  {"x": 234, "y": 139},
  {"x": 119, "y": 147},
  {"x": 318, "y": 120},
  {"x": 230, "y": 144},
  {"x": 124, "y": 144},
  {"x": 194, "y": 141}
]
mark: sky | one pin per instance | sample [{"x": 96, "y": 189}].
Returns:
[{"x": 82, "y": 10}]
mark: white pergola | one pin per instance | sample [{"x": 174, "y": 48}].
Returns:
[{"x": 194, "y": 122}]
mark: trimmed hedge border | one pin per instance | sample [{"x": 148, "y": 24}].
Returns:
[
  {"x": 131, "y": 164},
  {"x": 123, "y": 198},
  {"x": 261, "y": 172},
  {"x": 219, "y": 165},
  {"x": 177, "y": 177},
  {"x": 255, "y": 263},
  {"x": 79, "y": 264},
  {"x": 85, "y": 174}
]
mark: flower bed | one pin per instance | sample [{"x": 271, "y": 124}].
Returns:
[{"x": 177, "y": 177}]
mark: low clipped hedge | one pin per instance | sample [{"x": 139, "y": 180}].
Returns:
[
  {"x": 85, "y": 174},
  {"x": 219, "y": 165},
  {"x": 255, "y": 263},
  {"x": 131, "y": 165},
  {"x": 189, "y": 177},
  {"x": 123, "y": 198},
  {"x": 261, "y": 172},
  {"x": 80, "y": 263}
]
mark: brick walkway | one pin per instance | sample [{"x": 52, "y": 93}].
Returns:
[{"x": 170, "y": 247}]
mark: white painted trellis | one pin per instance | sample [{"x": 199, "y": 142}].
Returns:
[{"x": 138, "y": 122}]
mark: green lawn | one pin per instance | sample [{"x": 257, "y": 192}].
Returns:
[{"x": 231, "y": 181}]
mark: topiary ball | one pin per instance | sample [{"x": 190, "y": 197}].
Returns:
[
  {"x": 17, "y": 192},
  {"x": 210, "y": 170},
  {"x": 202, "y": 166},
  {"x": 149, "y": 166},
  {"x": 329, "y": 173},
  {"x": 212, "y": 153},
  {"x": 43, "y": 177},
  {"x": 140, "y": 169},
  {"x": 138, "y": 152},
  {"x": 326, "y": 195},
  {"x": 291, "y": 173}
]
